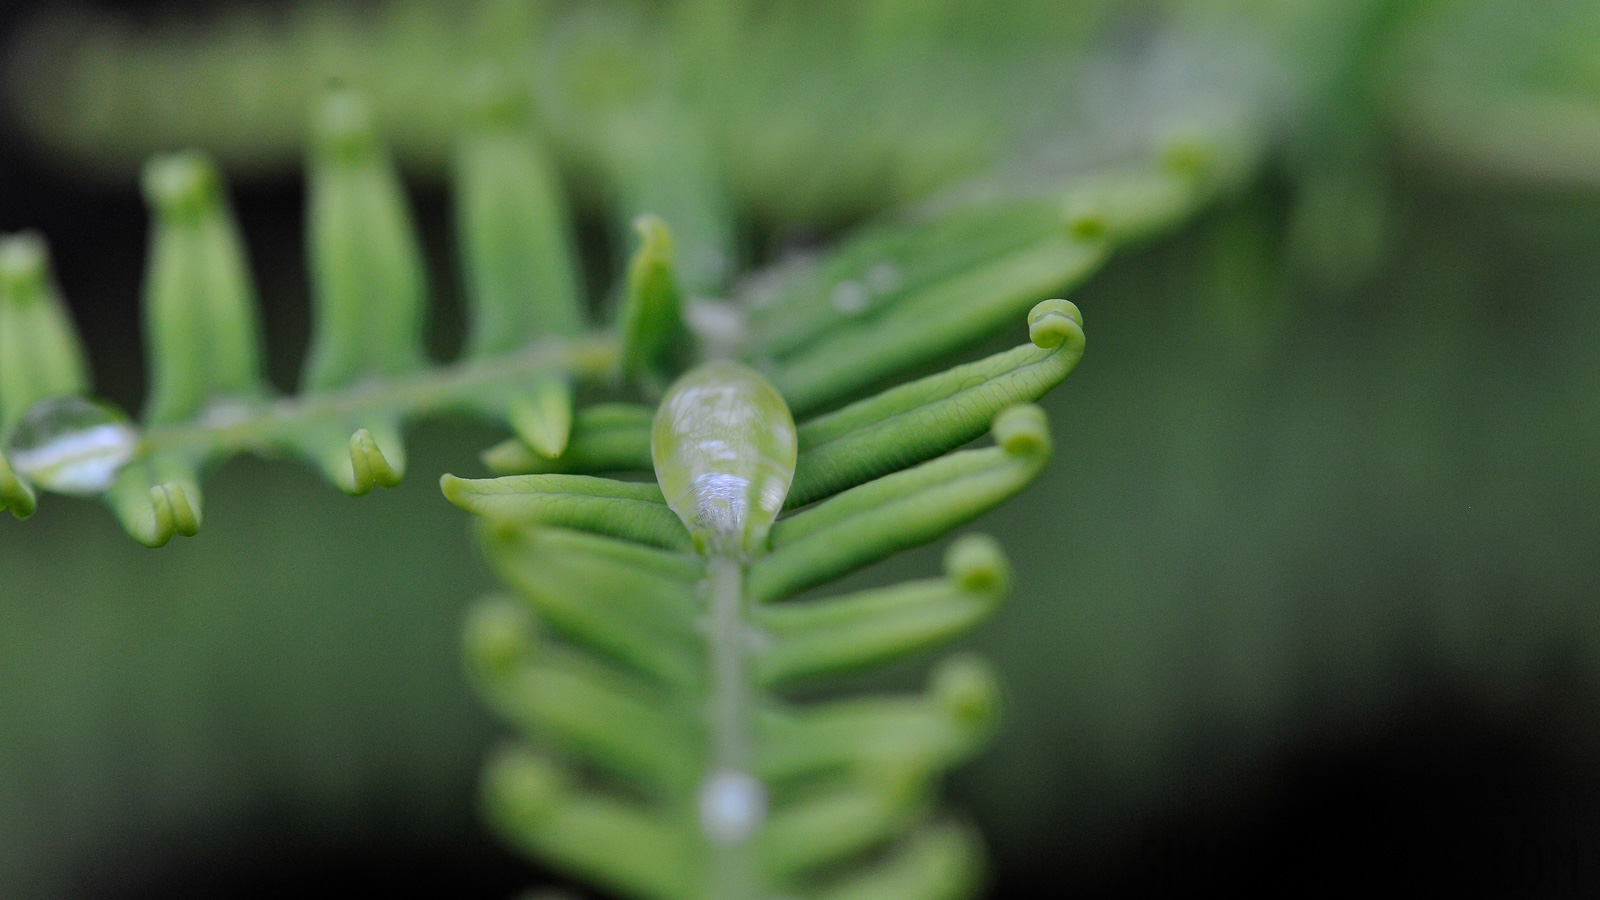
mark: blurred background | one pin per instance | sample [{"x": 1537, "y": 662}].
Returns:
[{"x": 1307, "y": 599}]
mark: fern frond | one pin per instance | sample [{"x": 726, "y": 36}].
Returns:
[
  {"x": 653, "y": 639},
  {"x": 656, "y": 698},
  {"x": 929, "y": 285},
  {"x": 686, "y": 109},
  {"x": 366, "y": 373}
]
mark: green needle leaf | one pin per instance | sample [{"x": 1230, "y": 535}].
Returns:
[
  {"x": 940, "y": 862},
  {"x": 581, "y": 706},
  {"x": 605, "y": 595},
  {"x": 840, "y": 820},
  {"x": 825, "y": 637},
  {"x": 200, "y": 306},
  {"x": 518, "y": 260},
  {"x": 368, "y": 284},
  {"x": 920, "y": 420},
  {"x": 634, "y": 512},
  {"x": 902, "y": 510},
  {"x": 650, "y": 321},
  {"x": 40, "y": 353},
  {"x": 944, "y": 318},
  {"x": 924, "y": 733},
  {"x": 606, "y": 437},
  {"x": 535, "y": 803},
  {"x": 543, "y": 418},
  {"x": 891, "y": 262}
]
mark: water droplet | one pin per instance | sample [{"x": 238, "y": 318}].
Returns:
[
  {"x": 71, "y": 445},
  {"x": 224, "y": 412},
  {"x": 732, "y": 807},
  {"x": 849, "y": 297},
  {"x": 883, "y": 277},
  {"x": 720, "y": 437}
]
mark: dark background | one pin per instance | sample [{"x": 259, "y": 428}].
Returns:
[{"x": 1306, "y": 602}]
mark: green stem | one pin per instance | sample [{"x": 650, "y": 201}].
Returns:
[
  {"x": 729, "y": 690},
  {"x": 263, "y": 427},
  {"x": 732, "y": 802}
]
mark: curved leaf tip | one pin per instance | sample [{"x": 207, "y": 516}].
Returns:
[
  {"x": 976, "y": 563},
  {"x": 1023, "y": 431},
  {"x": 1055, "y": 322},
  {"x": 966, "y": 686}
]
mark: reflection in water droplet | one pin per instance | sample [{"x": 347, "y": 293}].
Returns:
[
  {"x": 732, "y": 807},
  {"x": 71, "y": 446}
]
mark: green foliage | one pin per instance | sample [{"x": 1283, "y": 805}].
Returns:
[
  {"x": 605, "y": 565},
  {"x": 652, "y": 650},
  {"x": 649, "y": 643},
  {"x": 366, "y": 373},
  {"x": 692, "y": 110},
  {"x": 600, "y": 651}
]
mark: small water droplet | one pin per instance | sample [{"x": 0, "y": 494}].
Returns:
[
  {"x": 849, "y": 297},
  {"x": 71, "y": 445},
  {"x": 883, "y": 277},
  {"x": 223, "y": 412},
  {"x": 732, "y": 807}
]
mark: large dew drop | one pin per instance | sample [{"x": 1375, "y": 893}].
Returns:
[
  {"x": 732, "y": 807},
  {"x": 71, "y": 446},
  {"x": 724, "y": 448}
]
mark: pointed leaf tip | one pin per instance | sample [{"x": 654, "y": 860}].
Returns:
[
  {"x": 183, "y": 514},
  {"x": 170, "y": 513},
  {"x": 368, "y": 464},
  {"x": 156, "y": 498},
  {"x": 543, "y": 418},
  {"x": 654, "y": 337}
]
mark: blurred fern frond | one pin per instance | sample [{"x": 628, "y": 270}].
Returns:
[{"x": 795, "y": 114}]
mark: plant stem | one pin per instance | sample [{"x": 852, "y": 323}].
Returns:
[
  {"x": 262, "y": 427},
  {"x": 729, "y": 690},
  {"x": 732, "y": 866}
]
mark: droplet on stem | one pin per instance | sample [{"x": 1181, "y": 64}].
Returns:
[{"x": 733, "y": 805}]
